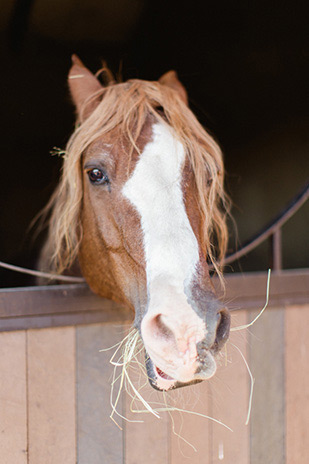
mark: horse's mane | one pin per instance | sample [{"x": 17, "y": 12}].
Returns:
[{"x": 127, "y": 105}]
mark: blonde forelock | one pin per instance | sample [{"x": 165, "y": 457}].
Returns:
[{"x": 126, "y": 106}]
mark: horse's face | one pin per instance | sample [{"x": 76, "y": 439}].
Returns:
[{"x": 141, "y": 245}]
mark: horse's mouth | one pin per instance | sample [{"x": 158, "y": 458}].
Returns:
[
  {"x": 161, "y": 381},
  {"x": 162, "y": 374}
]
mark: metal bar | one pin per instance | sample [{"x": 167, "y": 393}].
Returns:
[
  {"x": 44, "y": 275},
  {"x": 272, "y": 227}
]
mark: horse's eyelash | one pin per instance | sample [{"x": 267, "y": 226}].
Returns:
[{"x": 97, "y": 165}]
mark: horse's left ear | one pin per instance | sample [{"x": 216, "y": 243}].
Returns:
[
  {"x": 83, "y": 85},
  {"x": 171, "y": 80}
]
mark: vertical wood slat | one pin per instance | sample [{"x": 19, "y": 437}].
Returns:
[
  {"x": 51, "y": 396},
  {"x": 192, "y": 428},
  {"x": 268, "y": 406},
  {"x": 230, "y": 399},
  {"x": 99, "y": 440},
  {"x": 225, "y": 397},
  {"x": 297, "y": 384},
  {"x": 147, "y": 441},
  {"x": 13, "y": 398},
  {"x": 51, "y": 360}
]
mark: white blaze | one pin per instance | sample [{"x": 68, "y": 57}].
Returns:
[
  {"x": 171, "y": 254},
  {"x": 171, "y": 248}
]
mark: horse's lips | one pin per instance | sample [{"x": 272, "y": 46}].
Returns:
[
  {"x": 163, "y": 374},
  {"x": 161, "y": 381},
  {"x": 157, "y": 378}
]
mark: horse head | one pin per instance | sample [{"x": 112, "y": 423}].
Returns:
[{"x": 141, "y": 207}]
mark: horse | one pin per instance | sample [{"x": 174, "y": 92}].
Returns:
[{"x": 140, "y": 210}]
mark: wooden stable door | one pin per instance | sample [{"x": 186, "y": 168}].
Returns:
[{"x": 55, "y": 386}]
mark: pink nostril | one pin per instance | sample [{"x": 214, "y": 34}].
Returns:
[
  {"x": 179, "y": 340},
  {"x": 160, "y": 329}
]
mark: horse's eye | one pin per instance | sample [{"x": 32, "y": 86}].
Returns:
[{"x": 97, "y": 176}]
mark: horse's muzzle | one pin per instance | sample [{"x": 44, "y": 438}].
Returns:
[{"x": 200, "y": 366}]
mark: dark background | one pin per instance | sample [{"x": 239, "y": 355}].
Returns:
[{"x": 244, "y": 64}]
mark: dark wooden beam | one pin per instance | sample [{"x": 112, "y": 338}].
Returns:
[{"x": 62, "y": 305}]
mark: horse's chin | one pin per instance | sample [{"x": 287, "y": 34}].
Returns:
[{"x": 161, "y": 381}]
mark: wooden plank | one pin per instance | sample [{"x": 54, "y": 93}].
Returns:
[
  {"x": 59, "y": 299},
  {"x": 230, "y": 400},
  {"x": 248, "y": 290},
  {"x": 267, "y": 365},
  {"x": 99, "y": 440},
  {"x": 72, "y": 304},
  {"x": 192, "y": 428},
  {"x": 147, "y": 441},
  {"x": 297, "y": 383},
  {"x": 13, "y": 398},
  {"x": 62, "y": 320},
  {"x": 51, "y": 396}
]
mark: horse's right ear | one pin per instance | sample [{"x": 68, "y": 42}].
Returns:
[
  {"x": 170, "y": 79},
  {"x": 83, "y": 85}
]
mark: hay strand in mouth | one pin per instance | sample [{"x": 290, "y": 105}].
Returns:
[
  {"x": 251, "y": 384},
  {"x": 126, "y": 347},
  {"x": 180, "y": 437},
  {"x": 194, "y": 413},
  {"x": 128, "y": 350},
  {"x": 245, "y": 326}
]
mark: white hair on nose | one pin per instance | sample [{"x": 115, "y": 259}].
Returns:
[{"x": 171, "y": 248}]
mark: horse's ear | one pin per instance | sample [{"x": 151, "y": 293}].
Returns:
[
  {"x": 171, "y": 80},
  {"x": 83, "y": 84}
]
